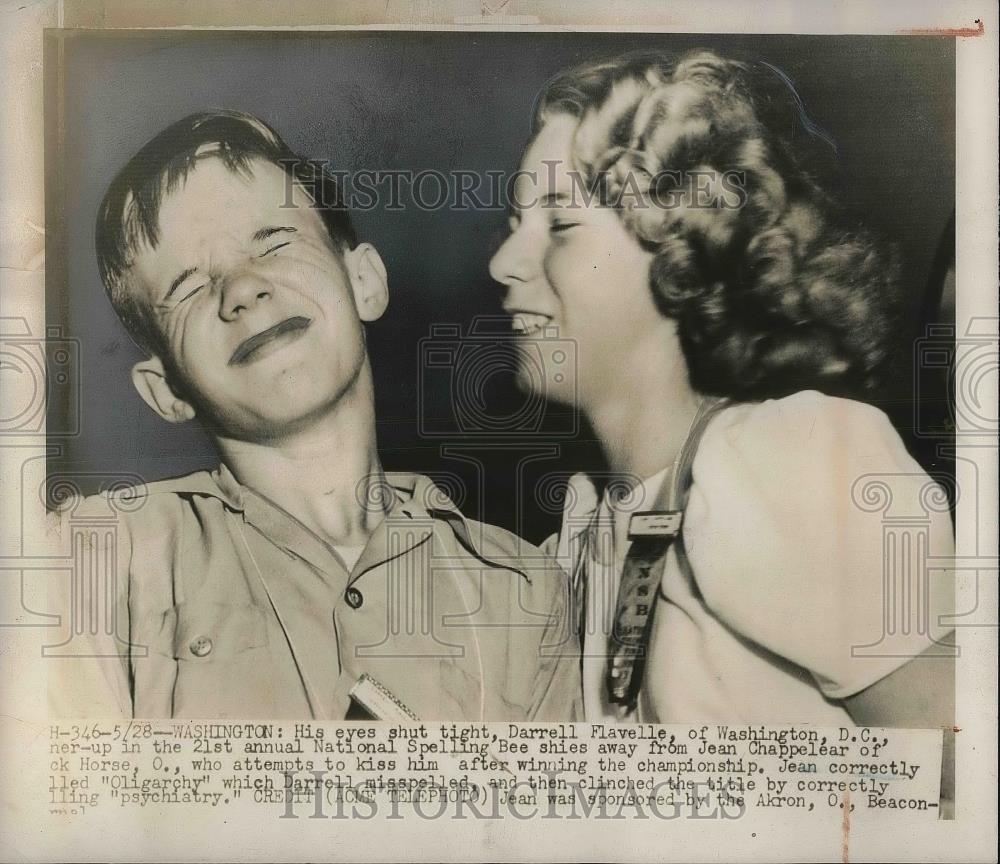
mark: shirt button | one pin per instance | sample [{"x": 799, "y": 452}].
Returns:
[
  {"x": 201, "y": 647},
  {"x": 354, "y": 598}
]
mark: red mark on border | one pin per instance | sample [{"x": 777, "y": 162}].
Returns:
[
  {"x": 845, "y": 829},
  {"x": 953, "y": 32}
]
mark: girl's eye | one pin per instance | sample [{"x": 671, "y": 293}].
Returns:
[
  {"x": 274, "y": 248},
  {"x": 557, "y": 227}
]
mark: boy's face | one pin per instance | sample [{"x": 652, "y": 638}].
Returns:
[{"x": 259, "y": 313}]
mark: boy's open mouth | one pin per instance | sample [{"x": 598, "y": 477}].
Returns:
[{"x": 284, "y": 331}]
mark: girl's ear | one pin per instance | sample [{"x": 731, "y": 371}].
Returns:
[
  {"x": 369, "y": 281},
  {"x": 150, "y": 381}
]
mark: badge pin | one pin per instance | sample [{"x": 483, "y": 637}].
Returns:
[
  {"x": 655, "y": 523},
  {"x": 379, "y": 702}
]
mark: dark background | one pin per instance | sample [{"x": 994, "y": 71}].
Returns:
[{"x": 445, "y": 101}]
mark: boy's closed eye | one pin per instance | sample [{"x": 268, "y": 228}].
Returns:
[
  {"x": 274, "y": 243},
  {"x": 259, "y": 237},
  {"x": 193, "y": 291},
  {"x": 180, "y": 290},
  {"x": 274, "y": 248}
]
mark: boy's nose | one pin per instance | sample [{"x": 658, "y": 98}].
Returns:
[{"x": 241, "y": 291}]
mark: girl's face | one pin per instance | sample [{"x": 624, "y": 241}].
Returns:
[{"x": 577, "y": 282}]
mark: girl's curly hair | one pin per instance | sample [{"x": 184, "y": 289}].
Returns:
[{"x": 770, "y": 297}]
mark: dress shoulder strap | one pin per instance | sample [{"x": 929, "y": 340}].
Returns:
[{"x": 683, "y": 478}]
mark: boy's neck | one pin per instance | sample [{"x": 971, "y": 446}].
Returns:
[{"x": 323, "y": 475}]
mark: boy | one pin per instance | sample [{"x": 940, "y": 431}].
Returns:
[{"x": 269, "y": 587}]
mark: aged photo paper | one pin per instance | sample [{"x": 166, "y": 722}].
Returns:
[{"x": 498, "y": 430}]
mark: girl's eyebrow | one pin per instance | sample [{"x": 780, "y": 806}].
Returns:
[
  {"x": 554, "y": 198},
  {"x": 264, "y": 233},
  {"x": 549, "y": 200}
]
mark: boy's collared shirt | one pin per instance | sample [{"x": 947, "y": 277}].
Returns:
[{"x": 197, "y": 597}]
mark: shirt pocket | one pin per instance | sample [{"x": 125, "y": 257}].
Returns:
[
  {"x": 223, "y": 661},
  {"x": 216, "y": 632}
]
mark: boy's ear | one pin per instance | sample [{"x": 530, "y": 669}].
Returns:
[
  {"x": 150, "y": 380},
  {"x": 369, "y": 281}
]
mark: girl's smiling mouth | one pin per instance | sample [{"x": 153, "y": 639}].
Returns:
[{"x": 528, "y": 323}]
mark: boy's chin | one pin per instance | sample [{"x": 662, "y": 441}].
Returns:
[{"x": 263, "y": 425}]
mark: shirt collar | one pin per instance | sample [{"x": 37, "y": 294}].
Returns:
[
  {"x": 418, "y": 498},
  {"x": 644, "y": 496},
  {"x": 422, "y": 499},
  {"x": 582, "y": 505},
  {"x": 219, "y": 483},
  {"x": 228, "y": 488},
  {"x": 418, "y": 495},
  {"x": 579, "y": 505}
]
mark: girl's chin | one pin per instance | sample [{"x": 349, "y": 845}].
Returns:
[{"x": 553, "y": 388}]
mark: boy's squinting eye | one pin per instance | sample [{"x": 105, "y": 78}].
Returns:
[
  {"x": 192, "y": 292},
  {"x": 274, "y": 248},
  {"x": 269, "y": 233}
]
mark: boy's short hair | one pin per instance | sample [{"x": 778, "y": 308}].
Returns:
[{"x": 129, "y": 213}]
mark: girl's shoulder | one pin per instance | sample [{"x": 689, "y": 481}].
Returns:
[
  {"x": 809, "y": 466},
  {"x": 785, "y": 529},
  {"x": 794, "y": 432}
]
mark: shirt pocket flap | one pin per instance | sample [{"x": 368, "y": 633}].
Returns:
[{"x": 208, "y": 631}]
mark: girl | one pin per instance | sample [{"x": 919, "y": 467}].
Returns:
[{"x": 727, "y": 334}]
